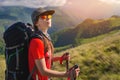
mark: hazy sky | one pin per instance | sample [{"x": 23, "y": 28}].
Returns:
[
  {"x": 33, "y": 3},
  {"x": 80, "y": 8},
  {"x": 92, "y": 8},
  {"x": 38, "y": 3}
]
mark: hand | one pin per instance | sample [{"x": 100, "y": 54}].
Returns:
[
  {"x": 65, "y": 56},
  {"x": 77, "y": 71},
  {"x": 73, "y": 72}
]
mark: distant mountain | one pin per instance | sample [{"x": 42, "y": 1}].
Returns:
[
  {"x": 87, "y": 29},
  {"x": 63, "y": 29},
  {"x": 11, "y": 14}
]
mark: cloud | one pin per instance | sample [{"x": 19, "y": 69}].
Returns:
[
  {"x": 111, "y": 1},
  {"x": 32, "y": 3}
]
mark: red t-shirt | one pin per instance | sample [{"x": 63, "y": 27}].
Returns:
[{"x": 36, "y": 51}]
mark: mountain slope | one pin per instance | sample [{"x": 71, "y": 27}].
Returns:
[
  {"x": 11, "y": 14},
  {"x": 87, "y": 29},
  {"x": 98, "y": 60}
]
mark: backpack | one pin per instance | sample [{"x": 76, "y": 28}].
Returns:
[{"x": 17, "y": 38}]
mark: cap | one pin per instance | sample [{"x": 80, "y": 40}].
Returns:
[{"x": 41, "y": 11}]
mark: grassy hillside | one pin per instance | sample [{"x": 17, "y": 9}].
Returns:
[
  {"x": 2, "y": 67},
  {"x": 86, "y": 40},
  {"x": 1, "y": 46},
  {"x": 87, "y": 29},
  {"x": 98, "y": 60}
]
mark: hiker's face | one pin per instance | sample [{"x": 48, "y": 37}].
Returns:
[{"x": 44, "y": 21}]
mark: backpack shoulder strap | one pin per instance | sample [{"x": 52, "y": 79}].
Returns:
[
  {"x": 31, "y": 73},
  {"x": 35, "y": 35},
  {"x": 41, "y": 37}
]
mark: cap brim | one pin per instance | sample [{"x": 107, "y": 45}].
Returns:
[{"x": 49, "y": 12}]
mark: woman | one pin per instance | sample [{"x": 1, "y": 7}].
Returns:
[{"x": 41, "y": 49}]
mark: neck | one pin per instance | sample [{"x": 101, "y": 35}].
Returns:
[{"x": 43, "y": 30}]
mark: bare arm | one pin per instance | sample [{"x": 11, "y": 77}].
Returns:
[
  {"x": 65, "y": 56},
  {"x": 56, "y": 59},
  {"x": 41, "y": 66}
]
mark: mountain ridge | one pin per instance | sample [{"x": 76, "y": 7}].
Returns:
[
  {"x": 87, "y": 29},
  {"x": 98, "y": 60},
  {"x": 12, "y": 14}
]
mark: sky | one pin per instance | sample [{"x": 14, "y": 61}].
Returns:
[
  {"x": 74, "y": 8},
  {"x": 92, "y": 8},
  {"x": 33, "y": 3}
]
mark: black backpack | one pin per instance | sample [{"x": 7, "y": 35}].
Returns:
[{"x": 17, "y": 38}]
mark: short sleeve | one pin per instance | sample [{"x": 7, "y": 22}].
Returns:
[{"x": 36, "y": 48}]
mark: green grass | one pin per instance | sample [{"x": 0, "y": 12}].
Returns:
[
  {"x": 114, "y": 22},
  {"x": 58, "y": 49},
  {"x": 98, "y": 60},
  {"x": 86, "y": 40},
  {"x": 2, "y": 67},
  {"x": 100, "y": 37}
]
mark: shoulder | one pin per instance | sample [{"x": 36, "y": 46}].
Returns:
[{"x": 36, "y": 41}]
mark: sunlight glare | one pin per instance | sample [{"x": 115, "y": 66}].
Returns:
[{"x": 111, "y": 1}]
